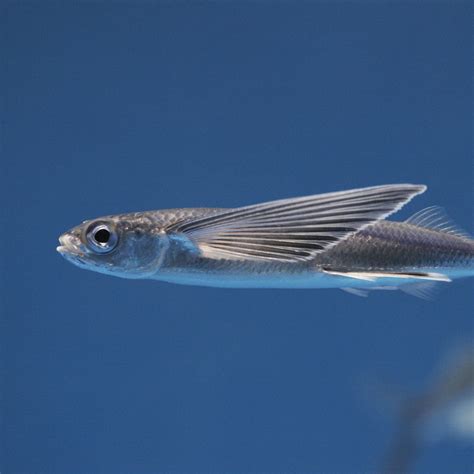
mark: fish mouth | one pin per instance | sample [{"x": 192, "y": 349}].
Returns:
[
  {"x": 72, "y": 250},
  {"x": 71, "y": 246}
]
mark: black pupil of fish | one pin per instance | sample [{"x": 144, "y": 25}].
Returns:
[{"x": 102, "y": 236}]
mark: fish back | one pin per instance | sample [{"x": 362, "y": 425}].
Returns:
[{"x": 399, "y": 245}]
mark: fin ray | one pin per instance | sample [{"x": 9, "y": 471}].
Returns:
[
  {"x": 423, "y": 289},
  {"x": 293, "y": 229},
  {"x": 356, "y": 291},
  {"x": 435, "y": 218}
]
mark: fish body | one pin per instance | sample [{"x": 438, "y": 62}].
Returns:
[
  {"x": 384, "y": 247},
  {"x": 335, "y": 240}
]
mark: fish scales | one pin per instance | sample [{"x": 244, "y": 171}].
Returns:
[{"x": 398, "y": 246}]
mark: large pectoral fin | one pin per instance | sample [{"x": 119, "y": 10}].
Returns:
[{"x": 292, "y": 230}]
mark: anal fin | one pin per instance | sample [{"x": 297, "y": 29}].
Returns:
[
  {"x": 423, "y": 289},
  {"x": 356, "y": 291}
]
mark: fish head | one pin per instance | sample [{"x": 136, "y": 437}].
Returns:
[{"x": 128, "y": 246}]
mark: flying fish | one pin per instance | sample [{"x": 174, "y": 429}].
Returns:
[{"x": 333, "y": 240}]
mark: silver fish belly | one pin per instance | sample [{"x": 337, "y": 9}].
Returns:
[{"x": 333, "y": 240}]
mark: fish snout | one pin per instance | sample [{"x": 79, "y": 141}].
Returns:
[{"x": 70, "y": 243}]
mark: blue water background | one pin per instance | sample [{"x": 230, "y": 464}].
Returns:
[{"x": 112, "y": 107}]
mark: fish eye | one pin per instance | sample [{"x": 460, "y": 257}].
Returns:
[{"x": 101, "y": 237}]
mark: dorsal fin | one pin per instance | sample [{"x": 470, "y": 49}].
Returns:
[{"x": 435, "y": 218}]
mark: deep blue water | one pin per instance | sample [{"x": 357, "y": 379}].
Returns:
[{"x": 112, "y": 107}]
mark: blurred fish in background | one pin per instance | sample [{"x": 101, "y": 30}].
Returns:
[{"x": 444, "y": 411}]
